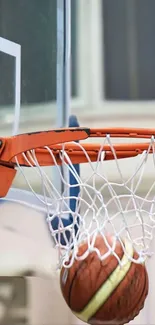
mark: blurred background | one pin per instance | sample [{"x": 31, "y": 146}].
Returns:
[
  {"x": 113, "y": 62},
  {"x": 112, "y": 84}
]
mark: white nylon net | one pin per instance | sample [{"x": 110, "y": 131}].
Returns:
[{"x": 109, "y": 201}]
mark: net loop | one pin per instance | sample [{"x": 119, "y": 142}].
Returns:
[{"x": 115, "y": 197}]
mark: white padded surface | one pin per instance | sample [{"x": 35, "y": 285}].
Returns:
[{"x": 25, "y": 242}]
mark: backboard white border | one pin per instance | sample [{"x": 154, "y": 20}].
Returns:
[{"x": 14, "y": 49}]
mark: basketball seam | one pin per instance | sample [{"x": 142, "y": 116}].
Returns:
[
  {"x": 134, "y": 311},
  {"x": 72, "y": 282},
  {"x": 75, "y": 276},
  {"x": 144, "y": 292},
  {"x": 95, "y": 303}
]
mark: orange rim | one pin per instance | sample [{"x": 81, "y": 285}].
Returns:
[
  {"x": 16, "y": 145},
  {"x": 55, "y": 139}
]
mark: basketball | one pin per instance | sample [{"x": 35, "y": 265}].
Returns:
[{"x": 102, "y": 292}]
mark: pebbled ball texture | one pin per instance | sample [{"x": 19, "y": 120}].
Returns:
[{"x": 85, "y": 277}]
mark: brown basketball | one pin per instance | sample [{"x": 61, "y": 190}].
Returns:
[{"x": 83, "y": 280}]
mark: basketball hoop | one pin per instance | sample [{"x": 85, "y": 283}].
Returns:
[{"x": 104, "y": 205}]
